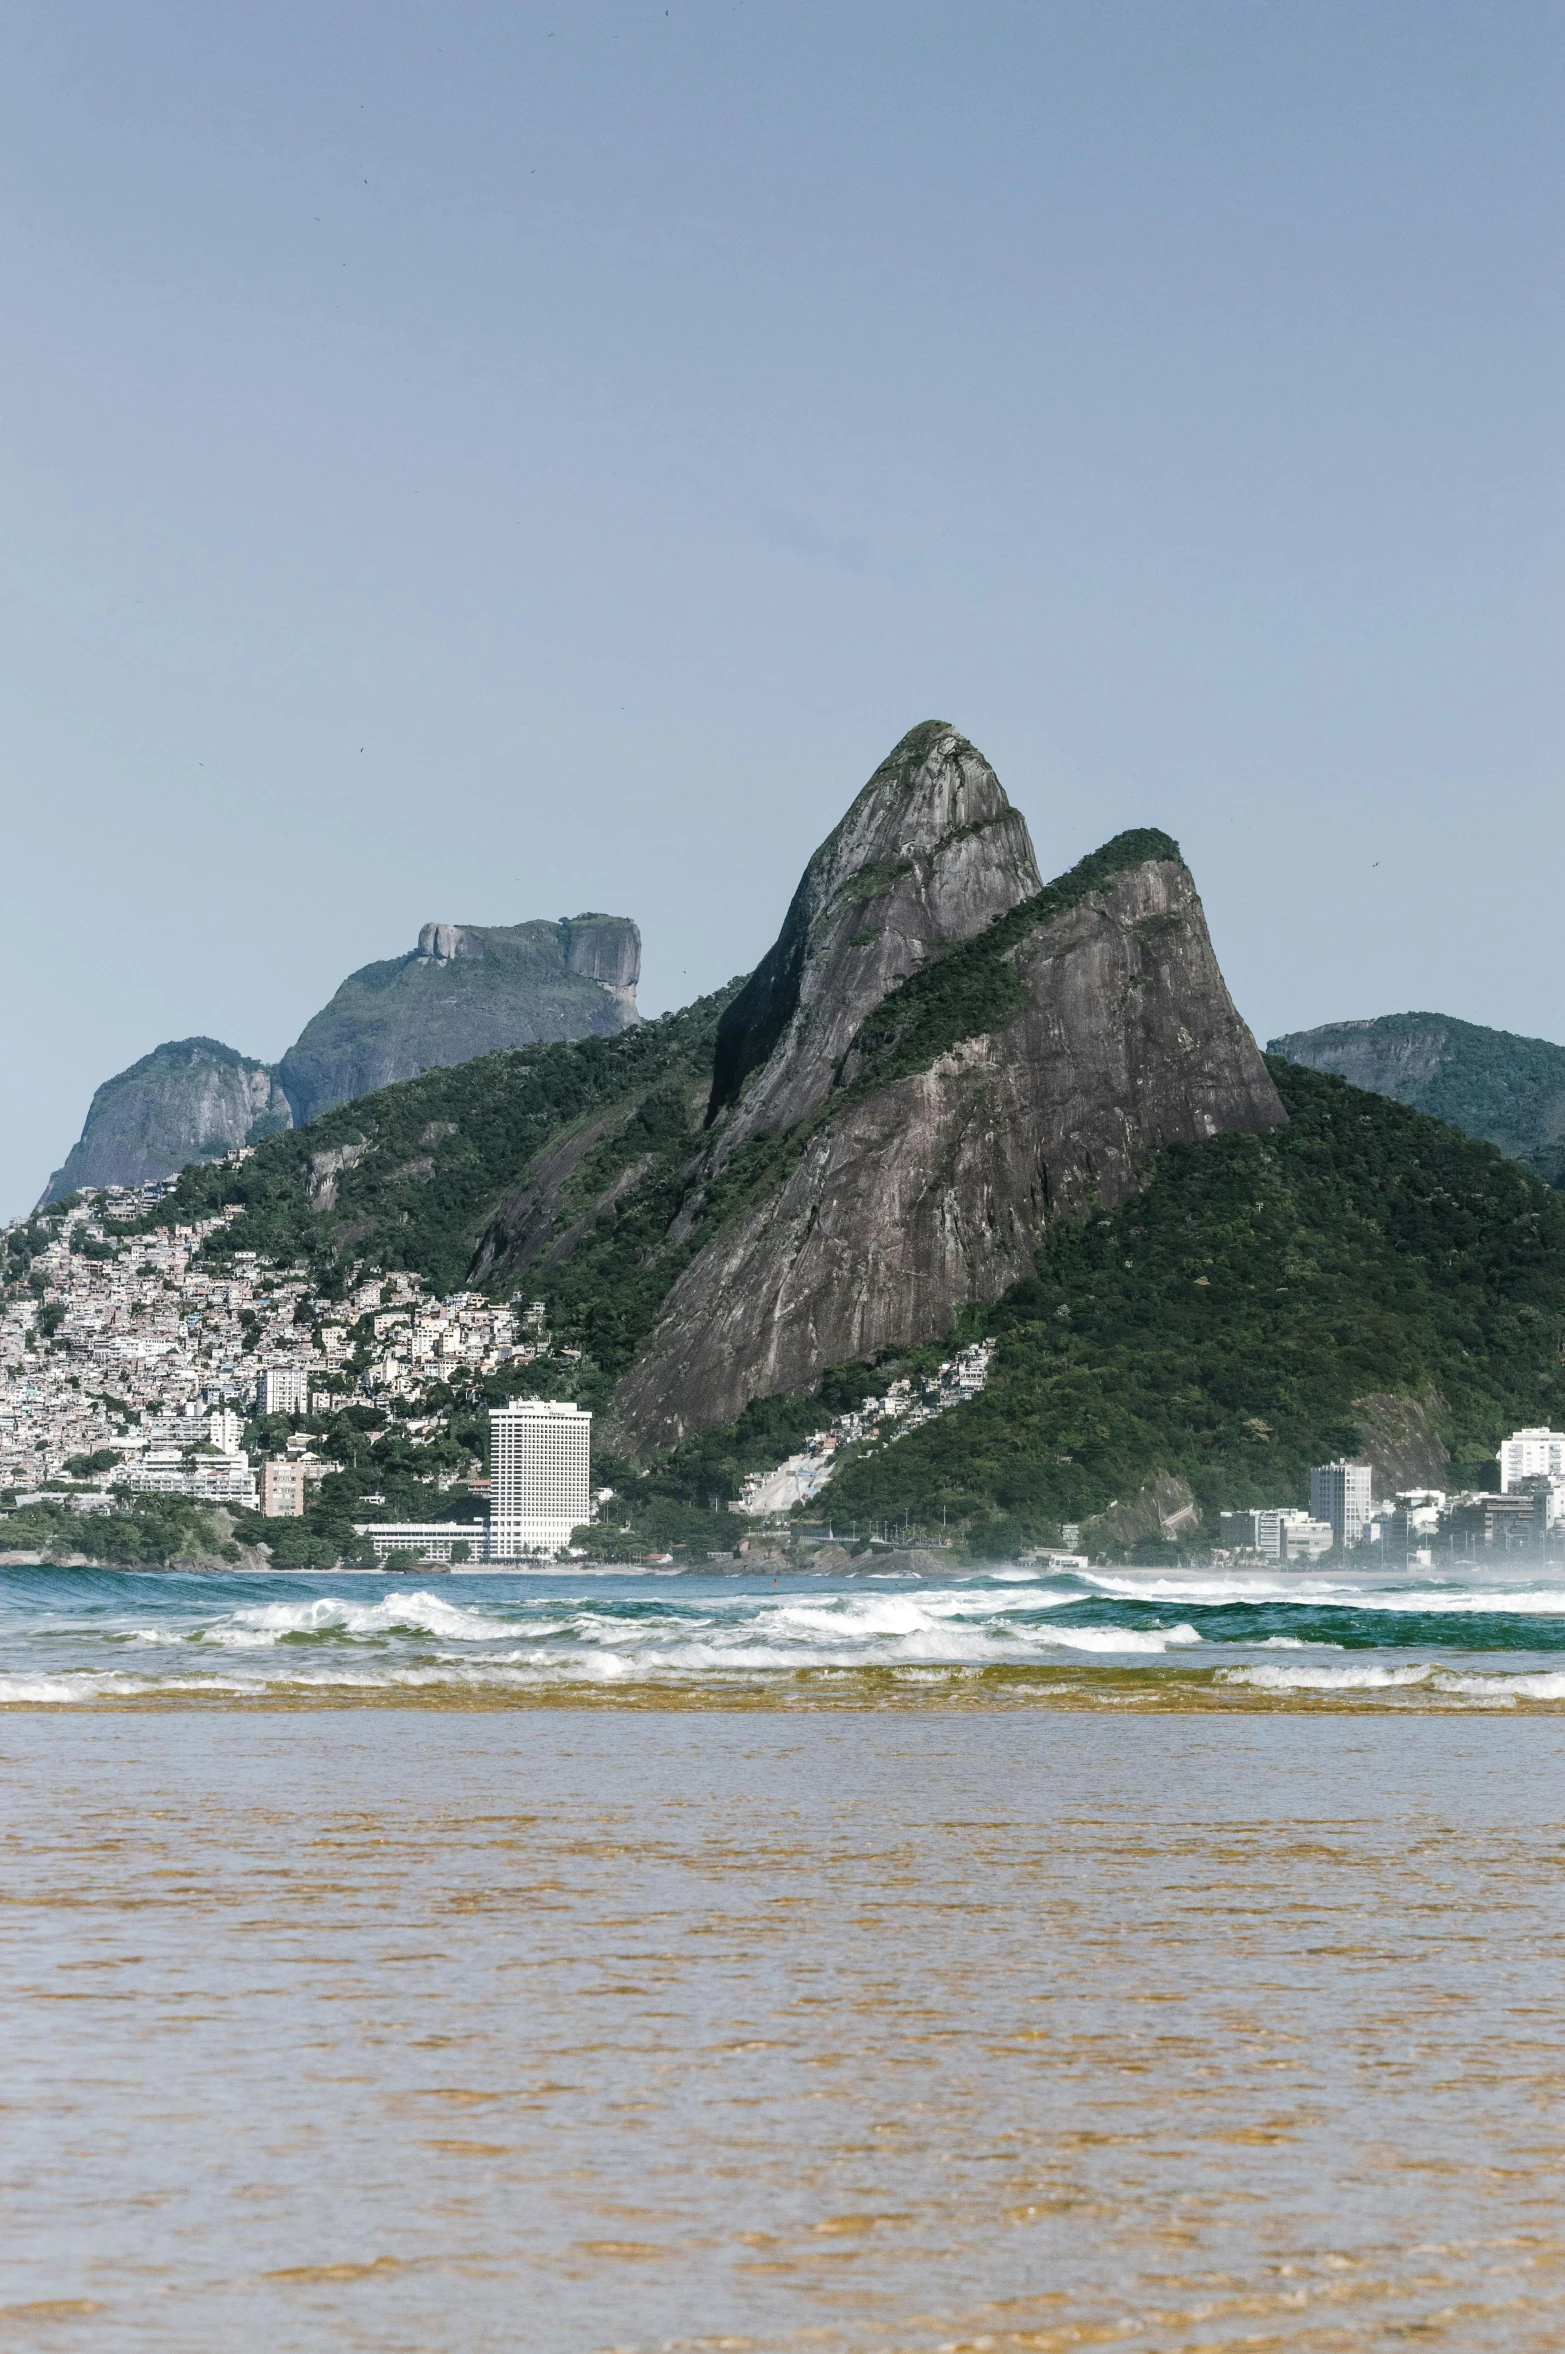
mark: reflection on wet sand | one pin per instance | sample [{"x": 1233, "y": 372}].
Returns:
[{"x": 849, "y": 2030}]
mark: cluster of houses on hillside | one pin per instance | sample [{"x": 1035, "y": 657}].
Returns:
[
  {"x": 131, "y": 1361},
  {"x": 876, "y": 1421}
]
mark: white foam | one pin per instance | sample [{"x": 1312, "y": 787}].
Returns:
[
  {"x": 1325, "y": 1591},
  {"x": 1358, "y": 1678},
  {"x": 1153, "y": 1639},
  {"x": 1367, "y": 1676},
  {"x": 1547, "y": 1686},
  {"x": 418, "y": 1612}
]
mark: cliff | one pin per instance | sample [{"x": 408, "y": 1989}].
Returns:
[
  {"x": 190, "y": 1100},
  {"x": 1491, "y": 1083},
  {"x": 466, "y": 990},
  {"x": 936, "y": 1061}
]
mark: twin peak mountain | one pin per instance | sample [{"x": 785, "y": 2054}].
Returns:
[{"x": 939, "y": 1056}]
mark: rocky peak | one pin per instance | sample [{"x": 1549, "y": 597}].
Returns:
[
  {"x": 930, "y": 853},
  {"x": 952, "y": 1057},
  {"x": 605, "y": 949},
  {"x": 439, "y": 943}
]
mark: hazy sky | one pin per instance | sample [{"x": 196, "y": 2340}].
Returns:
[{"x": 481, "y": 462}]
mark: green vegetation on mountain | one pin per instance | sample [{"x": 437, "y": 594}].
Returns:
[
  {"x": 973, "y": 987},
  {"x": 147, "y": 1532},
  {"x": 1490, "y": 1083},
  {"x": 1221, "y": 1326},
  {"x": 409, "y": 1177}
]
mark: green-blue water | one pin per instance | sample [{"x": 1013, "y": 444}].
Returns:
[{"x": 83, "y": 1638}]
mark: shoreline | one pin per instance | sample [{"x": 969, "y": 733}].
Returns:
[{"x": 824, "y": 1691}]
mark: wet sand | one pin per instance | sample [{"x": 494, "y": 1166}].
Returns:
[{"x": 846, "y": 2030}]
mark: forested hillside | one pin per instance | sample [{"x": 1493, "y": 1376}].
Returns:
[
  {"x": 1228, "y": 1326},
  {"x": 1491, "y": 1083},
  {"x": 1265, "y": 1303}
]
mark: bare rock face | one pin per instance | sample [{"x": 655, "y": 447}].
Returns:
[
  {"x": 605, "y": 949},
  {"x": 1400, "y": 1442},
  {"x": 930, "y": 852},
  {"x": 467, "y": 989},
  {"x": 1398, "y": 1057},
  {"x": 1162, "y": 1507},
  {"x": 941, "y": 1057},
  {"x": 193, "y": 1099}
]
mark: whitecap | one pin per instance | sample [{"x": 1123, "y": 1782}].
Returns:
[
  {"x": 418, "y": 1613},
  {"x": 1119, "y": 1638},
  {"x": 1359, "y": 1678},
  {"x": 1549, "y": 1685}
]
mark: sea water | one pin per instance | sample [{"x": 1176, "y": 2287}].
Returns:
[
  {"x": 581, "y": 1964},
  {"x": 1008, "y": 1637}
]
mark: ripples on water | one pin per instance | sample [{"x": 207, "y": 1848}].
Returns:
[
  {"x": 833, "y": 2033},
  {"x": 1129, "y": 1637}
]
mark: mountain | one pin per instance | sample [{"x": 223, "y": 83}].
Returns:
[
  {"x": 1493, "y": 1084},
  {"x": 949, "y": 1094},
  {"x": 1365, "y": 1282},
  {"x": 937, "y": 1061},
  {"x": 190, "y": 1100},
  {"x": 465, "y": 990}
]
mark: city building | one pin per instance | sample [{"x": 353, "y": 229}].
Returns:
[
  {"x": 282, "y": 1489},
  {"x": 540, "y": 1478},
  {"x": 426, "y": 1540},
  {"x": 283, "y": 1389},
  {"x": 1342, "y": 1493},
  {"x": 1278, "y": 1533},
  {"x": 225, "y": 1430},
  {"x": 169, "y": 1471},
  {"x": 1531, "y": 1454}
]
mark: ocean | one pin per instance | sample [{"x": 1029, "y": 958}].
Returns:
[
  {"x": 967, "y": 1965},
  {"x": 1419, "y": 1639}
]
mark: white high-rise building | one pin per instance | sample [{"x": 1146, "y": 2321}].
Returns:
[
  {"x": 225, "y": 1430},
  {"x": 1342, "y": 1493},
  {"x": 1531, "y": 1454},
  {"x": 540, "y": 1477},
  {"x": 283, "y": 1389}
]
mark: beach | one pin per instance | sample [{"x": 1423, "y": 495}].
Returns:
[{"x": 853, "y": 2028}]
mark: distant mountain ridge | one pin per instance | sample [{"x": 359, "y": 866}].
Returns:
[
  {"x": 466, "y": 990},
  {"x": 1493, "y": 1084},
  {"x": 191, "y": 1099}
]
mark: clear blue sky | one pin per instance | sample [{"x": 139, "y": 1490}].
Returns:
[{"x": 479, "y": 462}]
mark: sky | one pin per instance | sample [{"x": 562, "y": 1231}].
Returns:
[{"x": 478, "y": 462}]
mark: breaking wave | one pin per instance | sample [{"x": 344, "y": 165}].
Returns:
[{"x": 77, "y": 1637}]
